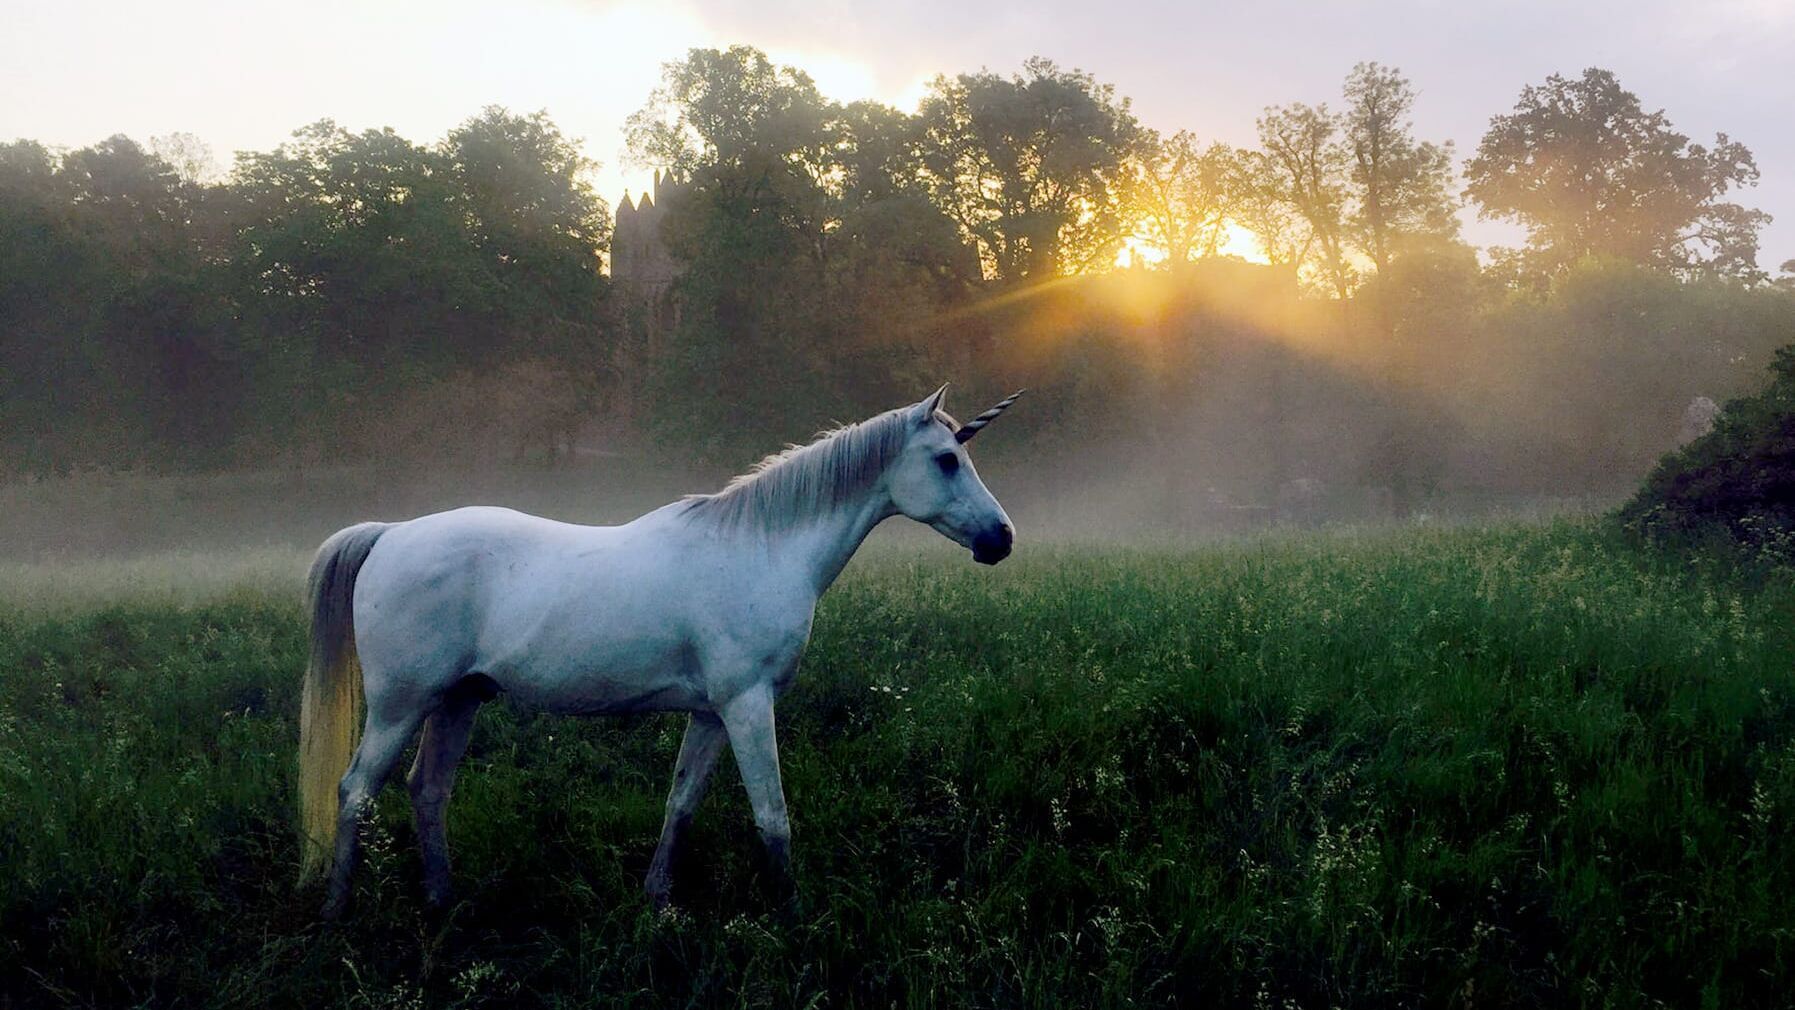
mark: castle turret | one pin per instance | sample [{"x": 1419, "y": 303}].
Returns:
[{"x": 642, "y": 267}]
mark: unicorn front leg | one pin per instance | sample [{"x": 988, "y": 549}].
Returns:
[
  {"x": 749, "y": 722},
  {"x": 697, "y": 756}
]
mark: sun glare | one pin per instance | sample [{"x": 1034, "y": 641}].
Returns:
[
  {"x": 1137, "y": 252},
  {"x": 910, "y": 99},
  {"x": 1239, "y": 243},
  {"x": 1244, "y": 244},
  {"x": 836, "y": 76}
]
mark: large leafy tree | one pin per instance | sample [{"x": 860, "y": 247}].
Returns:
[
  {"x": 373, "y": 269},
  {"x": 53, "y": 286},
  {"x": 745, "y": 129},
  {"x": 37, "y": 253},
  {"x": 534, "y": 227},
  {"x": 113, "y": 341},
  {"x": 532, "y": 215},
  {"x": 1032, "y": 167},
  {"x": 1590, "y": 172},
  {"x": 1303, "y": 165},
  {"x": 721, "y": 109},
  {"x": 1259, "y": 207},
  {"x": 164, "y": 317},
  {"x": 128, "y": 198},
  {"x": 1401, "y": 187},
  {"x": 356, "y": 240},
  {"x": 878, "y": 150},
  {"x": 814, "y": 266}
]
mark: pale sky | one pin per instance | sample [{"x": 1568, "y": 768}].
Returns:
[{"x": 243, "y": 74}]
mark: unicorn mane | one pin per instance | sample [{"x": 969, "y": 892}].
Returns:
[{"x": 803, "y": 480}]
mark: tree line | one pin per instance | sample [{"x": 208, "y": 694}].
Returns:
[
  {"x": 1047, "y": 171},
  {"x": 313, "y": 302},
  {"x": 352, "y": 295}
]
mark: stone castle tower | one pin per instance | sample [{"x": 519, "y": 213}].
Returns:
[{"x": 642, "y": 268}]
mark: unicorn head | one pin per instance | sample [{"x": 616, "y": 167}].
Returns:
[
  {"x": 933, "y": 480},
  {"x": 912, "y": 461}
]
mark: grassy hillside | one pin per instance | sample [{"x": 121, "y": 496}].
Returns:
[{"x": 1522, "y": 766}]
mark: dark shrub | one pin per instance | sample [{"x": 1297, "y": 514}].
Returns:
[{"x": 1738, "y": 480}]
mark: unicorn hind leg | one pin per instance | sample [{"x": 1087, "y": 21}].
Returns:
[
  {"x": 384, "y": 737},
  {"x": 432, "y": 779}
]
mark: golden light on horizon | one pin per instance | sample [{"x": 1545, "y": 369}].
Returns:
[
  {"x": 1243, "y": 243},
  {"x": 1136, "y": 251},
  {"x": 1238, "y": 242}
]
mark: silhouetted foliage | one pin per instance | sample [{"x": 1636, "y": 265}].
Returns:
[
  {"x": 1737, "y": 481},
  {"x": 1184, "y": 195},
  {"x": 1337, "y": 193},
  {"x": 1303, "y": 165},
  {"x": 1032, "y": 167},
  {"x": 1591, "y": 173},
  {"x": 1402, "y": 187},
  {"x": 815, "y": 270}
]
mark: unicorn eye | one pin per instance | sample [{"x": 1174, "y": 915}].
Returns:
[{"x": 949, "y": 463}]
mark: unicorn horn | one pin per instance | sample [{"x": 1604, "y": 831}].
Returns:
[{"x": 972, "y": 427}]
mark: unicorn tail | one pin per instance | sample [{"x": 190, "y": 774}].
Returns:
[{"x": 330, "y": 707}]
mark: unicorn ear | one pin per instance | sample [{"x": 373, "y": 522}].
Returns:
[{"x": 925, "y": 410}]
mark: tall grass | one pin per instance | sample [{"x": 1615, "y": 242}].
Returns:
[{"x": 1522, "y": 766}]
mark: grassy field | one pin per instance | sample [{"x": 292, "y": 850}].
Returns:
[{"x": 1517, "y": 766}]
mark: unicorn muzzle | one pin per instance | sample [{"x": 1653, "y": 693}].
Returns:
[{"x": 993, "y": 545}]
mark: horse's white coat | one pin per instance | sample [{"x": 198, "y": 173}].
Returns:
[{"x": 703, "y": 606}]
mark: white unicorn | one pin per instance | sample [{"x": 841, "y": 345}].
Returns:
[{"x": 702, "y": 606}]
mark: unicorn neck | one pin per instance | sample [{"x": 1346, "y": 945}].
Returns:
[
  {"x": 814, "y": 504},
  {"x": 822, "y": 545}
]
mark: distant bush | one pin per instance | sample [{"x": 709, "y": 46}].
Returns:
[{"x": 1736, "y": 481}]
